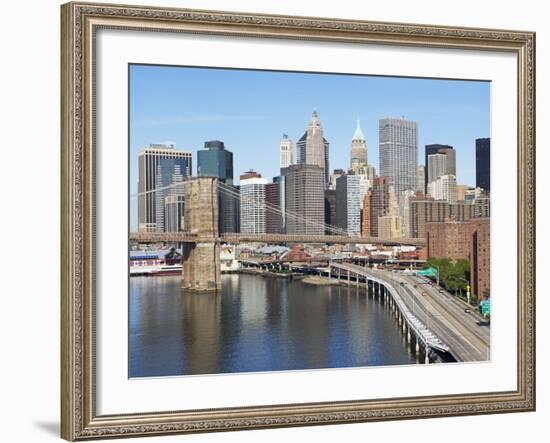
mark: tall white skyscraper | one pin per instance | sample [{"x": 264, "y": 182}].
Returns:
[
  {"x": 313, "y": 148},
  {"x": 358, "y": 149},
  {"x": 399, "y": 153},
  {"x": 285, "y": 150},
  {"x": 350, "y": 195},
  {"x": 252, "y": 205}
]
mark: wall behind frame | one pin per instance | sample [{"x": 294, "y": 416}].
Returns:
[{"x": 29, "y": 180}]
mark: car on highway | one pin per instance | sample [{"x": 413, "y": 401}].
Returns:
[{"x": 467, "y": 310}]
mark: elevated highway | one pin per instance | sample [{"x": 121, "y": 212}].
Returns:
[{"x": 464, "y": 332}]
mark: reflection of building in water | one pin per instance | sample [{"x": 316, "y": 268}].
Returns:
[
  {"x": 312, "y": 323},
  {"x": 256, "y": 324},
  {"x": 254, "y": 309}
]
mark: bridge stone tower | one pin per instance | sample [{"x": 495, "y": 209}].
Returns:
[{"x": 201, "y": 260}]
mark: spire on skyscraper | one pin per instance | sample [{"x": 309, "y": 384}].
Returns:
[
  {"x": 314, "y": 122},
  {"x": 358, "y": 149},
  {"x": 358, "y": 135}
]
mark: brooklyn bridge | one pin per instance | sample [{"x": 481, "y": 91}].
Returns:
[{"x": 200, "y": 238}]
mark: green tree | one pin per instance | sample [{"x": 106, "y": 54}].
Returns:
[{"x": 453, "y": 275}]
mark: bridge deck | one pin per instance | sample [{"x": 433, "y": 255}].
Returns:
[{"x": 188, "y": 237}]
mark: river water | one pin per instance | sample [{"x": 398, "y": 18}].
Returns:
[{"x": 257, "y": 324}]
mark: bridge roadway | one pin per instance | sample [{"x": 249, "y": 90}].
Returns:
[
  {"x": 233, "y": 238},
  {"x": 466, "y": 334}
]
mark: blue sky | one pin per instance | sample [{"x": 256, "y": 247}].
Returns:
[{"x": 250, "y": 110}]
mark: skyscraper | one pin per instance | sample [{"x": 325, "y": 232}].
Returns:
[
  {"x": 399, "y": 152},
  {"x": 443, "y": 188},
  {"x": 285, "y": 151},
  {"x": 448, "y": 239},
  {"x": 350, "y": 194},
  {"x": 390, "y": 225},
  {"x": 404, "y": 211},
  {"x": 366, "y": 214},
  {"x": 380, "y": 202},
  {"x": 450, "y": 164},
  {"x": 169, "y": 201},
  {"x": 479, "y": 233},
  {"x": 358, "y": 149},
  {"x": 424, "y": 210},
  {"x": 151, "y": 160},
  {"x": 483, "y": 163},
  {"x": 252, "y": 205},
  {"x": 334, "y": 176},
  {"x": 437, "y": 166},
  {"x": 273, "y": 218},
  {"x": 461, "y": 191},
  {"x": 421, "y": 179},
  {"x": 313, "y": 148},
  {"x": 330, "y": 207},
  {"x": 173, "y": 212},
  {"x": 249, "y": 174},
  {"x": 216, "y": 161},
  {"x": 281, "y": 181},
  {"x": 304, "y": 199}
]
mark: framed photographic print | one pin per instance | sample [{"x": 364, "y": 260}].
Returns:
[{"x": 282, "y": 221}]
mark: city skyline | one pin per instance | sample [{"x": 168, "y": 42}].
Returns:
[
  {"x": 230, "y": 192},
  {"x": 165, "y": 105}
]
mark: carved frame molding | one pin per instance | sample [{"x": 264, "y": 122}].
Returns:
[{"x": 79, "y": 24}]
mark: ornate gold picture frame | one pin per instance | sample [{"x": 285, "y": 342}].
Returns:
[{"x": 80, "y": 22}]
